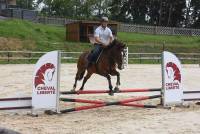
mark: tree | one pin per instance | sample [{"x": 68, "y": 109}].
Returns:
[
  {"x": 177, "y": 13},
  {"x": 168, "y": 12},
  {"x": 195, "y": 4},
  {"x": 118, "y": 10},
  {"x": 78, "y": 9},
  {"x": 153, "y": 13},
  {"x": 25, "y": 4},
  {"x": 59, "y": 8},
  {"x": 173, "y": 13},
  {"x": 129, "y": 10}
]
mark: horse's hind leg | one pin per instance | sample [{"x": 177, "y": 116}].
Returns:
[
  {"x": 75, "y": 83},
  {"x": 85, "y": 79}
]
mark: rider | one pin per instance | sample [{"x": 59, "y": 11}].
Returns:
[{"x": 103, "y": 37}]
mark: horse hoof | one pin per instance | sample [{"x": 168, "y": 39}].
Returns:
[
  {"x": 111, "y": 93},
  {"x": 72, "y": 90},
  {"x": 80, "y": 89},
  {"x": 116, "y": 89}
]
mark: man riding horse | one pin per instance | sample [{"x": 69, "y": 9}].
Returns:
[
  {"x": 103, "y": 37},
  {"x": 111, "y": 57}
]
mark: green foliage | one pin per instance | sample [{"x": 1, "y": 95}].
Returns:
[
  {"x": 28, "y": 30},
  {"x": 195, "y": 5},
  {"x": 76, "y": 9},
  {"x": 172, "y": 13},
  {"x": 47, "y": 38},
  {"x": 41, "y": 35},
  {"x": 153, "y": 12},
  {"x": 25, "y": 4},
  {"x": 154, "y": 43},
  {"x": 158, "y": 39}
]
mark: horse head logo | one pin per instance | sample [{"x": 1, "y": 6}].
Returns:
[
  {"x": 173, "y": 72},
  {"x": 45, "y": 74}
]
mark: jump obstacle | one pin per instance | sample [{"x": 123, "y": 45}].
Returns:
[
  {"x": 15, "y": 103},
  {"x": 97, "y": 104},
  {"x": 125, "y": 102},
  {"x": 46, "y": 93}
]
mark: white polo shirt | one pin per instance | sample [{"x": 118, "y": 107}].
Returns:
[{"x": 103, "y": 34}]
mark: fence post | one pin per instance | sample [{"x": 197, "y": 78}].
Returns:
[
  {"x": 8, "y": 57},
  {"x": 29, "y": 57},
  {"x": 137, "y": 28},
  {"x": 163, "y": 46},
  {"x": 120, "y": 27},
  {"x": 140, "y": 58},
  {"x": 191, "y": 32},
  {"x": 173, "y": 31},
  {"x": 155, "y": 30},
  {"x": 45, "y": 20},
  {"x": 158, "y": 61}
]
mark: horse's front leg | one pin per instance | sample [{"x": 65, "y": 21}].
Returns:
[
  {"x": 110, "y": 84},
  {"x": 116, "y": 73}
]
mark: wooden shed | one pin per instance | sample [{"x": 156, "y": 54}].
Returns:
[
  {"x": 4, "y": 4},
  {"x": 82, "y": 30}
]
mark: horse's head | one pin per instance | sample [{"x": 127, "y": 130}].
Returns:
[{"x": 117, "y": 52}]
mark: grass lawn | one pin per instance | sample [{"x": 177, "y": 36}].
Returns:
[{"x": 25, "y": 35}]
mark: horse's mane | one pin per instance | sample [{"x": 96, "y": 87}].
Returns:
[
  {"x": 113, "y": 43},
  {"x": 113, "y": 50}
]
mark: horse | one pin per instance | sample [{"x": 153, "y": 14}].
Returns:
[{"x": 110, "y": 59}]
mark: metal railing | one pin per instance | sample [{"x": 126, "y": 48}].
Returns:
[
  {"x": 29, "y": 55},
  {"x": 156, "y": 57},
  {"x": 9, "y": 56}
]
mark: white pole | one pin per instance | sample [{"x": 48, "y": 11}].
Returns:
[{"x": 58, "y": 81}]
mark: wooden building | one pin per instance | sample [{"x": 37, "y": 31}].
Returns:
[
  {"x": 7, "y": 4},
  {"x": 12, "y": 2},
  {"x": 82, "y": 30}
]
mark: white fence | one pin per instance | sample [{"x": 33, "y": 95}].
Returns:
[
  {"x": 130, "y": 27},
  {"x": 158, "y": 30},
  {"x": 9, "y": 56},
  {"x": 54, "y": 21},
  {"x": 29, "y": 55}
]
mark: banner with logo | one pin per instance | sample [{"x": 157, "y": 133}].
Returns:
[
  {"x": 171, "y": 79},
  {"x": 46, "y": 82}
]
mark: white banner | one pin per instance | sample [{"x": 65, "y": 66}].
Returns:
[
  {"x": 172, "y": 79},
  {"x": 46, "y": 82}
]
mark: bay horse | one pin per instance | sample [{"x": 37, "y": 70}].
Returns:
[{"x": 110, "y": 59}]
